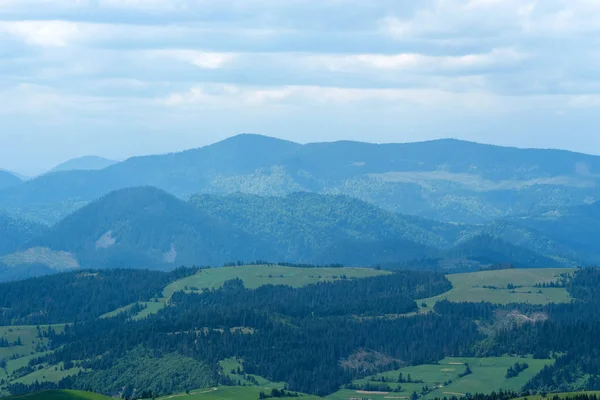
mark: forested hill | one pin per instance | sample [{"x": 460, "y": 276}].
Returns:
[
  {"x": 146, "y": 227},
  {"x": 14, "y": 232},
  {"x": 447, "y": 180},
  {"x": 7, "y": 180},
  {"x": 342, "y": 336},
  {"x": 326, "y": 226}
]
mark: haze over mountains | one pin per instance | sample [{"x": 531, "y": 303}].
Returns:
[
  {"x": 8, "y": 179},
  {"x": 441, "y": 204},
  {"x": 88, "y": 163}
]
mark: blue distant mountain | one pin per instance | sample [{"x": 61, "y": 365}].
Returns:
[{"x": 86, "y": 163}]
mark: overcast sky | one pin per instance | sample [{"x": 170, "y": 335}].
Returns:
[{"x": 119, "y": 78}]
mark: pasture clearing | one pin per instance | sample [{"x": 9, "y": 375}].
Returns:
[
  {"x": 550, "y": 396},
  {"x": 61, "y": 395},
  {"x": 29, "y": 339},
  {"x": 228, "y": 393},
  {"x": 230, "y": 365},
  {"x": 443, "y": 379},
  {"x": 255, "y": 276},
  {"x": 505, "y": 286},
  {"x": 151, "y": 307}
]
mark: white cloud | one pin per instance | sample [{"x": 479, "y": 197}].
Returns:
[
  {"x": 43, "y": 33},
  {"x": 418, "y": 62},
  {"x": 216, "y": 95},
  {"x": 501, "y": 18},
  {"x": 202, "y": 59}
]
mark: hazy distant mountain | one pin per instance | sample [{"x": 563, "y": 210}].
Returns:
[
  {"x": 146, "y": 227},
  {"x": 576, "y": 227},
  {"x": 89, "y": 163},
  {"x": 447, "y": 180},
  {"x": 308, "y": 227},
  {"x": 8, "y": 179}
]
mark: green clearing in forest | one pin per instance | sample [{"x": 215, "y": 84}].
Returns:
[
  {"x": 470, "y": 287},
  {"x": 29, "y": 339},
  {"x": 241, "y": 379},
  {"x": 255, "y": 276},
  {"x": 488, "y": 374},
  {"x": 228, "y": 393},
  {"x": 550, "y": 396},
  {"x": 151, "y": 307},
  {"x": 61, "y": 395}
]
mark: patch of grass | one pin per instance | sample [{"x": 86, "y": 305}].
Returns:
[
  {"x": 470, "y": 287},
  {"x": 61, "y": 395},
  {"x": 58, "y": 260},
  {"x": 255, "y": 276},
  {"x": 151, "y": 307},
  {"x": 29, "y": 339},
  {"x": 51, "y": 373},
  {"x": 550, "y": 396},
  {"x": 228, "y": 393},
  {"x": 488, "y": 374},
  {"x": 243, "y": 379}
]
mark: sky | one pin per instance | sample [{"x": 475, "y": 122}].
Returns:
[{"x": 119, "y": 78}]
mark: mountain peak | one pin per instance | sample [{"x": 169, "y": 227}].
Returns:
[{"x": 84, "y": 163}]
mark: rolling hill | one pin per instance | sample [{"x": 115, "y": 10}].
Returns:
[
  {"x": 60, "y": 395},
  {"x": 576, "y": 227},
  {"x": 89, "y": 163},
  {"x": 447, "y": 180},
  {"x": 8, "y": 179},
  {"x": 148, "y": 228}
]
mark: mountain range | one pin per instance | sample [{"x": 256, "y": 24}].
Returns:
[
  {"x": 444, "y": 204},
  {"x": 8, "y": 179},
  {"x": 446, "y": 180},
  {"x": 145, "y": 227},
  {"x": 86, "y": 163}
]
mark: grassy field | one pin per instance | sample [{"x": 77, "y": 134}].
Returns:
[
  {"x": 257, "y": 275},
  {"x": 549, "y": 396},
  {"x": 152, "y": 307},
  {"x": 61, "y": 395},
  {"x": 470, "y": 287},
  {"x": 227, "y": 393},
  {"x": 52, "y": 373},
  {"x": 29, "y": 339},
  {"x": 488, "y": 374},
  {"x": 240, "y": 379}
]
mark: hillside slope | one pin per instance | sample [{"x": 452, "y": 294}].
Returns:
[
  {"x": 60, "y": 395},
  {"x": 15, "y": 232},
  {"x": 325, "y": 228},
  {"x": 84, "y": 163},
  {"x": 146, "y": 227},
  {"x": 447, "y": 180},
  {"x": 8, "y": 179}
]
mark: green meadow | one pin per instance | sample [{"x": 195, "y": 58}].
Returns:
[
  {"x": 444, "y": 379},
  {"x": 255, "y": 276},
  {"x": 61, "y": 395},
  {"x": 492, "y": 286}
]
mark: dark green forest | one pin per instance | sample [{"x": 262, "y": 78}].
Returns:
[{"x": 297, "y": 336}]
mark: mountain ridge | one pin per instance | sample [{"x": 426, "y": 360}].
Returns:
[{"x": 85, "y": 163}]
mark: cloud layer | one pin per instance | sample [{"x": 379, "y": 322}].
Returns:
[{"x": 125, "y": 77}]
